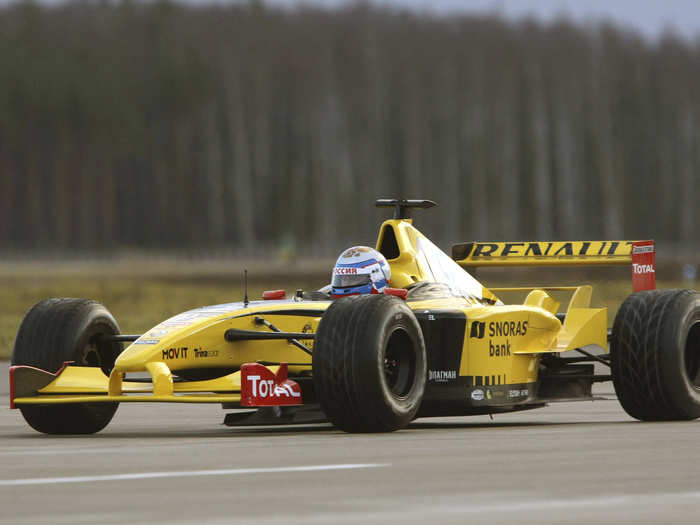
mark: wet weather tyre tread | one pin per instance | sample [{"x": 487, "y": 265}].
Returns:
[
  {"x": 58, "y": 330},
  {"x": 348, "y": 364},
  {"x": 648, "y": 347}
]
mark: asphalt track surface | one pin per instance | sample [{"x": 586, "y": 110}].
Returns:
[{"x": 567, "y": 463}]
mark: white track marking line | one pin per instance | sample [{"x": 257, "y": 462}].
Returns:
[
  {"x": 187, "y": 473},
  {"x": 64, "y": 451},
  {"x": 55, "y": 451}
]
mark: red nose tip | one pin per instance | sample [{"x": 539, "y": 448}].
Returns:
[{"x": 270, "y": 295}]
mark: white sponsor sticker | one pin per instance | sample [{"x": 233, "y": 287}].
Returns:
[{"x": 643, "y": 249}]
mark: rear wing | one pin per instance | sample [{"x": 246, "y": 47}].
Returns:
[{"x": 638, "y": 254}]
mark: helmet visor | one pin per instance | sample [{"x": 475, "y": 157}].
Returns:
[{"x": 347, "y": 281}]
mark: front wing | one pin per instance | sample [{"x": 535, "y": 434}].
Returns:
[{"x": 262, "y": 386}]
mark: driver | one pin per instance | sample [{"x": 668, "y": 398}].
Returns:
[{"x": 360, "y": 270}]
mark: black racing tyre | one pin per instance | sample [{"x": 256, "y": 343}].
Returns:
[
  {"x": 58, "y": 330},
  {"x": 369, "y": 364},
  {"x": 655, "y": 355}
]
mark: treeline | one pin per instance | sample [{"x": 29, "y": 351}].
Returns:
[{"x": 240, "y": 128}]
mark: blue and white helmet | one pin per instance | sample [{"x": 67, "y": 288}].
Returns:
[{"x": 360, "y": 270}]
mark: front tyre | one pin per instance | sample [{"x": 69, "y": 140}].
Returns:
[
  {"x": 369, "y": 364},
  {"x": 655, "y": 355},
  {"x": 58, "y": 330}
]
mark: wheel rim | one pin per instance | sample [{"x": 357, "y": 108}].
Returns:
[
  {"x": 100, "y": 354},
  {"x": 91, "y": 355},
  {"x": 400, "y": 363},
  {"x": 692, "y": 355}
]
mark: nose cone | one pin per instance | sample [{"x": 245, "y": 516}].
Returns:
[{"x": 135, "y": 357}]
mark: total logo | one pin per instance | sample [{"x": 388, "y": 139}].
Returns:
[
  {"x": 267, "y": 388},
  {"x": 261, "y": 387},
  {"x": 642, "y": 268}
]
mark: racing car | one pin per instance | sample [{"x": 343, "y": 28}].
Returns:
[{"x": 437, "y": 343}]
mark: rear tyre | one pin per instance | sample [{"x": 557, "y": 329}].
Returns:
[
  {"x": 369, "y": 364},
  {"x": 58, "y": 330},
  {"x": 655, "y": 355}
]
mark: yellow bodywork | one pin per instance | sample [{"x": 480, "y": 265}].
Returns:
[{"x": 502, "y": 343}]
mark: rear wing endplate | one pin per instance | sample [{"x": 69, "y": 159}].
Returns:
[{"x": 638, "y": 254}]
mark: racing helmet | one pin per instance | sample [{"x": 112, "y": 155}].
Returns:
[{"x": 360, "y": 270}]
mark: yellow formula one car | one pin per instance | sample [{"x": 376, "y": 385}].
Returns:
[{"x": 437, "y": 344}]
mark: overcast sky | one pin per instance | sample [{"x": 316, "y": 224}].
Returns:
[{"x": 651, "y": 17}]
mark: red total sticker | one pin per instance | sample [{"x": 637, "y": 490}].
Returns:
[
  {"x": 261, "y": 387},
  {"x": 643, "y": 266}
]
